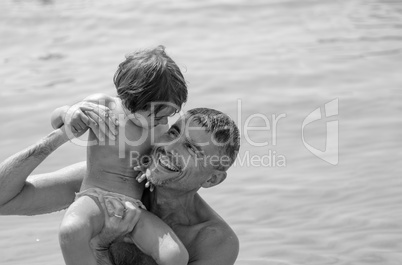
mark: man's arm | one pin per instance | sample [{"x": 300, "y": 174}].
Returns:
[
  {"x": 22, "y": 194},
  {"x": 215, "y": 244},
  {"x": 109, "y": 251}
]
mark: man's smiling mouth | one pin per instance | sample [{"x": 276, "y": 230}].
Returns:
[{"x": 166, "y": 162}]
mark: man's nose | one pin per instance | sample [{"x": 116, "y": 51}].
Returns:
[{"x": 171, "y": 145}]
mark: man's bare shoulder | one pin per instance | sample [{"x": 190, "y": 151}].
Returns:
[{"x": 216, "y": 243}]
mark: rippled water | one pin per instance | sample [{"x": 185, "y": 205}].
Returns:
[{"x": 276, "y": 57}]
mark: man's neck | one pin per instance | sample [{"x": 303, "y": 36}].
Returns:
[{"x": 172, "y": 206}]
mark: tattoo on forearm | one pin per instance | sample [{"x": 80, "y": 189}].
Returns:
[
  {"x": 39, "y": 151},
  {"x": 15, "y": 170}
]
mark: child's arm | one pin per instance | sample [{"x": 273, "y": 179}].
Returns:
[
  {"x": 90, "y": 112},
  {"x": 151, "y": 236},
  {"x": 156, "y": 239}
]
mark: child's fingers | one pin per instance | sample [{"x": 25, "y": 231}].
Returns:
[
  {"x": 86, "y": 108},
  {"x": 141, "y": 178},
  {"x": 113, "y": 130},
  {"x": 144, "y": 176},
  {"x": 95, "y": 116},
  {"x": 91, "y": 121},
  {"x": 112, "y": 118},
  {"x": 95, "y": 127},
  {"x": 110, "y": 131},
  {"x": 80, "y": 124},
  {"x": 106, "y": 130},
  {"x": 86, "y": 120},
  {"x": 137, "y": 168},
  {"x": 140, "y": 168},
  {"x": 106, "y": 115},
  {"x": 74, "y": 129},
  {"x": 98, "y": 133}
]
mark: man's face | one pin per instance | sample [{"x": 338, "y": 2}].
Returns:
[{"x": 182, "y": 158}]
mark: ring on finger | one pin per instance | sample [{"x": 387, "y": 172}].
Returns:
[{"x": 118, "y": 216}]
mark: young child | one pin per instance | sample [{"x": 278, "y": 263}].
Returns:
[{"x": 145, "y": 77}]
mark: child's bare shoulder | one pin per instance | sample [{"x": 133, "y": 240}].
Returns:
[{"x": 100, "y": 98}]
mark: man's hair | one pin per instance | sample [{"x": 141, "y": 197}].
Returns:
[
  {"x": 150, "y": 76},
  {"x": 224, "y": 132}
]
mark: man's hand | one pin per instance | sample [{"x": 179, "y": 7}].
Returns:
[
  {"x": 120, "y": 220},
  {"x": 81, "y": 116}
]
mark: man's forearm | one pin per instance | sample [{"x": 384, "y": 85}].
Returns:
[{"x": 15, "y": 170}]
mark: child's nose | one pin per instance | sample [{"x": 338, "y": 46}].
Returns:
[{"x": 163, "y": 121}]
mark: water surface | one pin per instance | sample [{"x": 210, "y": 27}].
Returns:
[{"x": 276, "y": 57}]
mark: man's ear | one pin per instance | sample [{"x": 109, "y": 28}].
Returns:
[{"x": 217, "y": 177}]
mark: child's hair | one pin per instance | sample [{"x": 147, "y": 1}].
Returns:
[{"x": 150, "y": 76}]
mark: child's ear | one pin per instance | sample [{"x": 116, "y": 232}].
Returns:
[{"x": 217, "y": 177}]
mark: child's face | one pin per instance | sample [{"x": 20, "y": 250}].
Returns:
[{"x": 148, "y": 119}]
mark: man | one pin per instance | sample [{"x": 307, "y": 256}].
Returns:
[{"x": 195, "y": 152}]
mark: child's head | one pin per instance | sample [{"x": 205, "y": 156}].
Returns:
[{"x": 150, "y": 76}]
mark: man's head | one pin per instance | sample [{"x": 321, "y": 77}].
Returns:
[
  {"x": 150, "y": 77},
  {"x": 196, "y": 151}
]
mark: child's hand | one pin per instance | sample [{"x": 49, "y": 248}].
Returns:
[
  {"x": 84, "y": 115},
  {"x": 76, "y": 120},
  {"x": 107, "y": 123},
  {"x": 144, "y": 173}
]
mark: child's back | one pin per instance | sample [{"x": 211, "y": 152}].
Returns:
[{"x": 110, "y": 163}]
